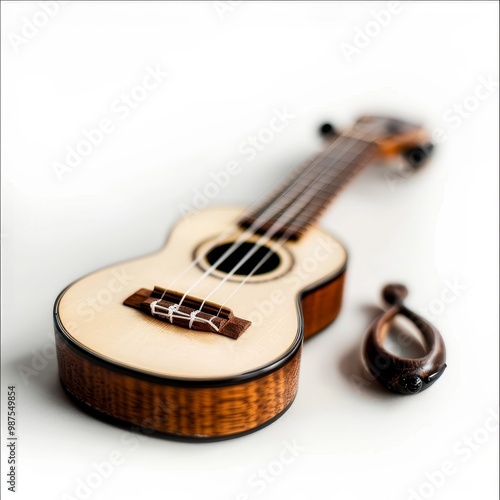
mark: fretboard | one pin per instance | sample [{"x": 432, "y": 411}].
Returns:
[{"x": 299, "y": 200}]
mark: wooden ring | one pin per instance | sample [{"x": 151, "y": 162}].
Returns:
[{"x": 403, "y": 375}]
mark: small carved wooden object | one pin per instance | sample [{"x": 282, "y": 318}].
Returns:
[{"x": 403, "y": 375}]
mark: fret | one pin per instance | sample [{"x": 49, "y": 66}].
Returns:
[
  {"x": 300, "y": 198},
  {"x": 299, "y": 186}
]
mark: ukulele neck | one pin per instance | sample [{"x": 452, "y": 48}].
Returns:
[{"x": 298, "y": 201}]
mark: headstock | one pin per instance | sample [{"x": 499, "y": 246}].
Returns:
[{"x": 392, "y": 137}]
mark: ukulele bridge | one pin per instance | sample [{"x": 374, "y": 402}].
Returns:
[{"x": 168, "y": 306}]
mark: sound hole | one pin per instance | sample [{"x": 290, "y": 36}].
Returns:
[{"x": 252, "y": 265}]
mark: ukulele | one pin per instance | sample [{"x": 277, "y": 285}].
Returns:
[{"x": 202, "y": 340}]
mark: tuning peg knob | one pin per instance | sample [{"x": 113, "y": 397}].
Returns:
[
  {"x": 417, "y": 156},
  {"x": 327, "y": 130}
]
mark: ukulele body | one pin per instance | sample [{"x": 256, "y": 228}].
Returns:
[
  {"x": 157, "y": 377},
  {"x": 180, "y": 344}
]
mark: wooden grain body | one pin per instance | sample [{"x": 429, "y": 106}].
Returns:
[
  {"x": 204, "y": 413},
  {"x": 217, "y": 402}
]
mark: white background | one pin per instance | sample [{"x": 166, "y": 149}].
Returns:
[{"x": 229, "y": 68}]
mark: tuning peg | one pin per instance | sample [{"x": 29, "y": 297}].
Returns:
[
  {"x": 417, "y": 156},
  {"x": 327, "y": 130}
]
